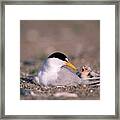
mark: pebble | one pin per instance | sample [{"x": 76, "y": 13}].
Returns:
[
  {"x": 84, "y": 85},
  {"x": 65, "y": 94},
  {"x": 91, "y": 91}
]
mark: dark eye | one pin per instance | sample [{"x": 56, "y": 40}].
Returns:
[{"x": 82, "y": 69}]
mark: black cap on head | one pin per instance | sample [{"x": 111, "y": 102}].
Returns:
[{"x": 59, "y": 55}]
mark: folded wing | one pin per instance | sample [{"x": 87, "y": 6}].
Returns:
[{"x": 66, "y": 77}]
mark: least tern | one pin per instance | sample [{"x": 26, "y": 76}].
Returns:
[{"x": 54, "y": 71}]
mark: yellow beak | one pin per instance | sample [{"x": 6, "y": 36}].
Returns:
[{"x": 71, "y": 66}]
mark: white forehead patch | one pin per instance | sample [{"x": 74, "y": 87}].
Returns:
[{"x": 66, "y": 59}]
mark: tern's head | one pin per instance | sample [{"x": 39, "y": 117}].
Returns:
[{"x": 60, "y": 59}]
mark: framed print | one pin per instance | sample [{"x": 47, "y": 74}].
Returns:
[{"x": 60, "y": 60}]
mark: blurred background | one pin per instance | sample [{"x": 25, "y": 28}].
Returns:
[{"x": 78, "y": 39}]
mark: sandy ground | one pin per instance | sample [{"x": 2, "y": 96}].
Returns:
[{"x": 31, "y": 91}]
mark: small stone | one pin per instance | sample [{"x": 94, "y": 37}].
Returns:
[
  {"x": 91, "y": 91},
  {"x": 84, "y": 86},
  {"x": 65, "y": 94}
]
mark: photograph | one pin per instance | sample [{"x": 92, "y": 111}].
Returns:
[{"x": 59, "y": 59}]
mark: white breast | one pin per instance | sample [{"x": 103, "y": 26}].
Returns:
[{"x": 49, "y": 71}]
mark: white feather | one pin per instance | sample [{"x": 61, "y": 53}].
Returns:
[{"x": 49, "y": 70}]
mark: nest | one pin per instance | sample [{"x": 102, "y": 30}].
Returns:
[{"x": 30, "y": 90}]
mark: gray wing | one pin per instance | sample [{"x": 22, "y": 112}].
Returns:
[{"x": 67, "y": 77}]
